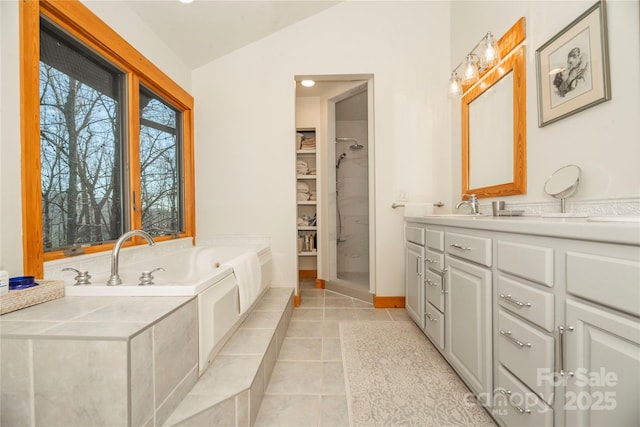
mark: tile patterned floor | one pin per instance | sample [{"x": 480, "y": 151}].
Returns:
[{"x": 307, "y": 386}]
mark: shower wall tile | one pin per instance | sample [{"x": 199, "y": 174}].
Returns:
[
  {"x": 352, "y": 179},
  {"x": 79, "y": 383}
]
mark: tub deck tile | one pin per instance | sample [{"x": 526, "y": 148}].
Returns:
[{"x": 243, "y": 365}]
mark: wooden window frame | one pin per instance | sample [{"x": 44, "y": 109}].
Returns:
[{"x": 81, "y": 23}]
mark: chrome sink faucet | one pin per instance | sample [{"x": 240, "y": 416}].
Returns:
[
  {"x": 114, "y": 279},
  {"x": 472, "y": 203}
]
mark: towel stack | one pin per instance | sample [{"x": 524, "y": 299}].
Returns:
[
  {"x": 308, "y": 143},
  {"x": 303, "y": 192},
  {"x": 302, "y": 168}
]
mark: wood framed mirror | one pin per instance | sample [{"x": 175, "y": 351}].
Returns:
[{"x": 494, "y": 130}]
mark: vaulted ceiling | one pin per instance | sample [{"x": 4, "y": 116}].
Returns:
[{"x": 204, "y": 30}]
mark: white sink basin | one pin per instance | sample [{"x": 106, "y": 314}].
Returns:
[
  {"x": 458, "y": 215},
  {"x": 615, "y": 218}
]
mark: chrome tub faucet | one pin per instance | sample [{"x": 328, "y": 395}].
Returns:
[{"x": 114, "y": 279}]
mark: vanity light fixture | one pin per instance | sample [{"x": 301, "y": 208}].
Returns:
[
  {"x": 484, "y": 55},
  {"x": 308, "y": 83}
]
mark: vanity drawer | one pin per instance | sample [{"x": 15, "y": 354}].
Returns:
[
  {"x": 526, "y": 301},
  {"x": 605, "y": 280},
  {"x": 435, "y": 240},
  {"x": 433, "y": 289},
  {"x": 434, "y": 326},
  {"x": 534, "y": 263},
  {"x": 476, "y": 249},
  {"x": 518, "y": 406},
  {"x": 524, "y": 350},
  {"x": 434, "y": 260},
  {"x": 415, "y": 235}
]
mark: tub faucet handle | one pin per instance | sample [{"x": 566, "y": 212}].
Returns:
[
  {"x": 146, "y": 278},
  {"x": 82, "y": 277}
]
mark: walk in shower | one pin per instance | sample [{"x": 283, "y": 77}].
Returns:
[{"x": 352, "y": 192}]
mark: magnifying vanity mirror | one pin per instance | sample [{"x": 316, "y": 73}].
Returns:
[
  {"x": 562, "y": 184},
  {"x": 494, "y": 125}
]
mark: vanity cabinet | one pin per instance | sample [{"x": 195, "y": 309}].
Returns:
[
  {"x": 414, "y": 268},
  {"x": 541, "y": 317},
  {"x": 468, "y": 332}
]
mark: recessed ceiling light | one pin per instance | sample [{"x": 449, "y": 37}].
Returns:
[{"x": 307, "y": 83}]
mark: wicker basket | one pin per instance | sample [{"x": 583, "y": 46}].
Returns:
[{"x": 47, "y": 290}]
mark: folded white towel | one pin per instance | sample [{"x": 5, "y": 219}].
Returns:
[
  {"x": 248, "y": 272},
  {"x": 303, "y": 197},
  {"x": 303, "y": 187}
]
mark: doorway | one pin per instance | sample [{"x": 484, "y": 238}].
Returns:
[{"x": 340, "y": 109}]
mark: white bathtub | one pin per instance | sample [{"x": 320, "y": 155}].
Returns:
[{"x": 187, "y": 271}]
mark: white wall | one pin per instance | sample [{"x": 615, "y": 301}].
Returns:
[
  {"x": 10, "y": 200},
  {"x": 603, "y": 140},
  {"x": 245, "y": 122},
  {"x": 120, "y": 17}
]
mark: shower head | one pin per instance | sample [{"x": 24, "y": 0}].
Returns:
[
  {"x": 355, "y": 146},
  {"x": 342, "y": 156}
]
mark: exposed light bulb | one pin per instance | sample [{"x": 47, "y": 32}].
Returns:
[
  {"x": 455, "y": 88},
  {"x": 470, "y": 70},
  {"x": 490, "y": 53},
  {"x": 307, "y": 83}
]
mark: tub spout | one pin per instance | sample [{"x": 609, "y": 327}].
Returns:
[{"x": 114, "y": 279}]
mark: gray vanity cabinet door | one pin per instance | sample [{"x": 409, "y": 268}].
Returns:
[
  {"x": 603, "y": 352},
  {"x": 468, "y": 343},
  {"x": 414, "y": 286}
]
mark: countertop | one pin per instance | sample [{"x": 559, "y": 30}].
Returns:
[
  {"x": 91, "y": 318},
  {"x": 627, "y": 233}
]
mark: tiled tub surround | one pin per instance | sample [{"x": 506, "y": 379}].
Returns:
[
  {"x": 130, "y": 361},
  {"x": 230, "y": 391},
  {"x": 80, "y": 361}
]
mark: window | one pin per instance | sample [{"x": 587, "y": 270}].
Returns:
[
  {"x": 160, "y": 141},
  {"x": 112, "y": 146},
  {"x": 81, "y": 111}
]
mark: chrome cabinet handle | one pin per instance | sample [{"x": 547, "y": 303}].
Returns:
[
  {"x": 561, "y": 336},
  {"x": 516, "y": 407},
  {"x": 418, "y": 258},
  {"x": 457, "y": 246},
  {"x": 432, "y": 261},
  {"x": 507, "y": 334},
  {"x": 430, "y": 283},
  {"x": 431, "y": 318},
  {"x": 442, "y": 280},
  {"x": 508, "y": 298}
]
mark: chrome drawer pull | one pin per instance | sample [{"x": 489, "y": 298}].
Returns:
[
  {"x": 432, "y": 261},
  {"x": 516, "y": 407},
  {"x": 457, "y": 246},
  {"x": 431, "y": 318},
  {"x": 507, "y": 334},
  {"x": 443, "y": 278},
  {"x": 561, "y": 335},
  {"x": 418, "y": 258},
  {"x": 431, "y": 283},
  {"x": 513, "y": 301}
]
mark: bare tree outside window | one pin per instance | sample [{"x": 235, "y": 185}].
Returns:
[
  {"x": 80, "y": 147},
  {"x": 159, "y": 165}
]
